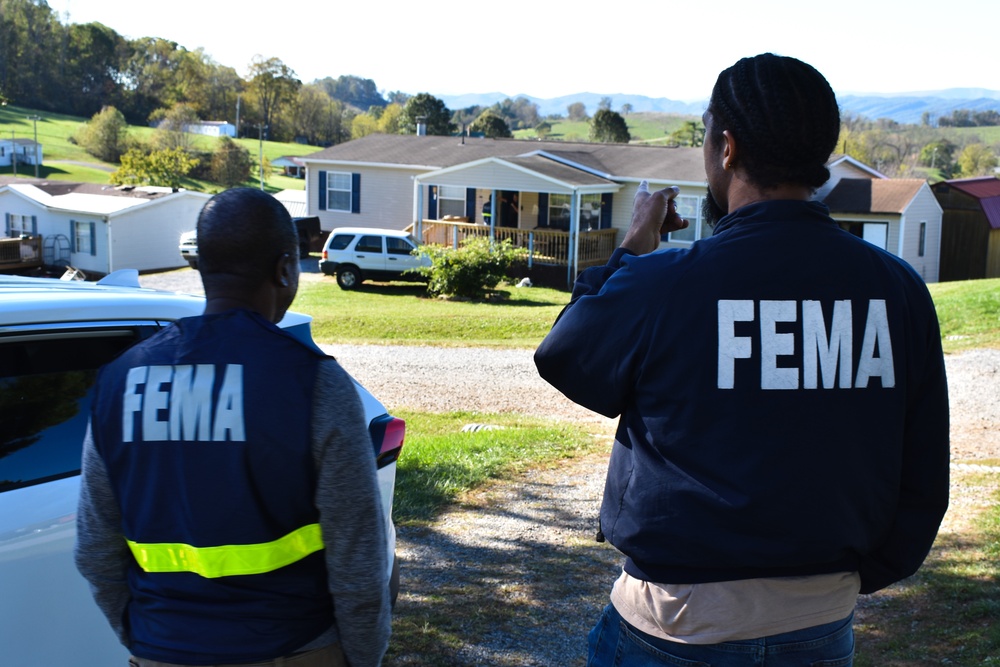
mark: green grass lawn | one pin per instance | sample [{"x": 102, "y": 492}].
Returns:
[
  {"x": 401, "y": 313},
  {"x": 59, "y": 153},
  {"x": 440, "y": 462},
  {"x": 646, "y": 127},
  {"x": 969, "y": 313}
]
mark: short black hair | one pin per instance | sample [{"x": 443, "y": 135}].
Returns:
[
  {"x": 784, "y": 116},
  {"x": 242, "y": 232}
]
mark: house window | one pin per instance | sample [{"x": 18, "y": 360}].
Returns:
[
  {"x": 590, "y": 211},
  {"x": 83, "y": 237},
  {"x": 338, "y": 191},
  {"x": 451, "y": 201},
  {"x": 922, "y": 246},
  {"x": 19, "y": 225},
  {"x": 689, "y": 208}
]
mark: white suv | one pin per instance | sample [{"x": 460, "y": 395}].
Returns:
[
  {"x": 53, "y": 336},
  {"x": 356, "y": 254}
]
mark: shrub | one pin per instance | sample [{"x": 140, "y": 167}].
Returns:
[{"x": 471, "y": 270}]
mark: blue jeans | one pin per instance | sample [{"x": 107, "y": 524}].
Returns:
[{"x": 615, "y": 643}]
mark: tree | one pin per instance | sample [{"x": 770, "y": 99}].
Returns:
[
  {"x": 391, "y": 119},
  {"x": 976, "y": 160},
  {"x": 231, "y": 163},
  {"x": 543, "y": 129},
  {"x": 105, "y": 135},
  {"x": 309, "y": 114},
  {"x": 491, "y": 125},
  {"x": 158, "y": 167},
  {"x": 354, "y": 91},
  {"x": 363, "y": 125},
  {"x": 609, "y": 127},
  {"x": 938, "y": 154},
  {"x": 577, "y": 111},
  {"x": 690, "y": 133},
  {"x": 626, "y": 109},
  {"x": 434, "y": 112},
  {"x": 604, "y": 103},
  {"x": 272, "y": 85},
  {"x": 172, "y": 126}
]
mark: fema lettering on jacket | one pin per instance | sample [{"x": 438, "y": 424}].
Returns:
[
  {"x": 181, "y": 402},
  {"x": 827, "y": 359}
]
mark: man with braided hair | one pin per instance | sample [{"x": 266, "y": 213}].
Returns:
[{"x": 783, "y": 434}]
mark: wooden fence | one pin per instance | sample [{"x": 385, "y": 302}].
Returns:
[{"x": 545, "y": 246}]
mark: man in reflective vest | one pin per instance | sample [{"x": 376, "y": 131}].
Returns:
[{"x": 229, "y": 508}]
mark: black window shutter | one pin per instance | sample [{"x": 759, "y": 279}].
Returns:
[
  {"x": 606, "y": 200},
  {"x": 34, "y": 225},
  {"x": 93, "y": 238},
  {"x": 72, "y": 236},
  {"x": 355, "y": 193},
  {"x": 470, "y": 204},
  {"x": 322, "y": 190},
  {"x": 543, "y": 209},
  {"x": 432, "y": 202}
]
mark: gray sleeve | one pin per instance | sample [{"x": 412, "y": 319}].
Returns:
[
  {"x": 351, "y": 517},
  {"x": 101, "y": 553}
]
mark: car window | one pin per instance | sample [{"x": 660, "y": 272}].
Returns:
[
  {"x": 397, "y": 246},
  {"x": 341, "y": 241},
  {"x": 46, "y": 381},
  {"x": 369, "y": 244}
]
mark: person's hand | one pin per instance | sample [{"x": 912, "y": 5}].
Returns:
[{"x": 653, "y": 214}]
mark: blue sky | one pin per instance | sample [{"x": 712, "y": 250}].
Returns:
[{"x": 549, "y": 49}]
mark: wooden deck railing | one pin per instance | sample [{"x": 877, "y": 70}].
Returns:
[{"x": 545, "y": 246}]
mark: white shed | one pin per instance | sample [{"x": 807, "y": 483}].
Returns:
[{"x": 100, "y": 229}]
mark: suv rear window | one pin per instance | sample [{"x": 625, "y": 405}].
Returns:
[
  {"x": 341, "y": 241},
  {"x": 46, "y": 381},
  {"x": 398, "y": 246}
]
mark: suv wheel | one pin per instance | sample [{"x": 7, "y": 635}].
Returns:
[{"x": 348, "y": 277}]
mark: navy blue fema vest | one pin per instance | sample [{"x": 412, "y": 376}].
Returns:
[{"x": 205, "y": 430}]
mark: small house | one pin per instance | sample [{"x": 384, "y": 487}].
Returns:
[
  {"x": 99, "y": 228},
  {"x": 970, "y": 237}
]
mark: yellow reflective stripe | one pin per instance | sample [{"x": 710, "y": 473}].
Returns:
[{"x": 230, "y": 560}]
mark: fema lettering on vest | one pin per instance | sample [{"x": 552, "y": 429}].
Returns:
[
  {"x": 827, "y": 359},
  {"x": 182, "y": 403}
]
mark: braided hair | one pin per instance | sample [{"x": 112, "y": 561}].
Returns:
[{"x": 784, "y": 115}]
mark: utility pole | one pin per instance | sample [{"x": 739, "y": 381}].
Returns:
[
  {"x": 13, "y": 153},
  {"x": 34, "y": 121},
  {"x": 260, "y": 157},
  {"x": 238, "y": 98}
]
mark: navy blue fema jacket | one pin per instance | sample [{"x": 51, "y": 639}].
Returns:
[{"x": 783, "y": 402}]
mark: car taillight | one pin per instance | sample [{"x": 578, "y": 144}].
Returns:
[
  {"x": 387, "y": 434},
  {"x": 325, "y": 257}
]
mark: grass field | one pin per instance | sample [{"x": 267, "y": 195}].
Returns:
[
  {"x": 646, "y": 127},
  {"x": 400, "y": 313},
  {"x": 60, "y": 155}
]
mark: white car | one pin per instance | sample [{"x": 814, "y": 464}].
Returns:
[
  {"x": 188, "y": 248},
  {"x": 54, "y": 335},
  {"x": 356, "y": 254}
]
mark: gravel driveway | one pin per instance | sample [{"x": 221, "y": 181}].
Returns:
[{"x": 527, "y": 546}]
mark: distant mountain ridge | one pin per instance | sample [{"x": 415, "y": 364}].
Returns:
[{"x": 900, "y": 107}]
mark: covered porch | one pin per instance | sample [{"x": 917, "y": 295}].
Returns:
[{"x": 560, "y": 214}]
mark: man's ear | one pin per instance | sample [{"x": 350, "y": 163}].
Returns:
[
  {"x": 730, "y": 152},
  {"x": 282, "y": 270}
]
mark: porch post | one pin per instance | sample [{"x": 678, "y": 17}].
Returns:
[
  {"x": 418, "y": 207},
  {"x": 493, "y": 215},
  {"x": 574, "y": 237}
]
